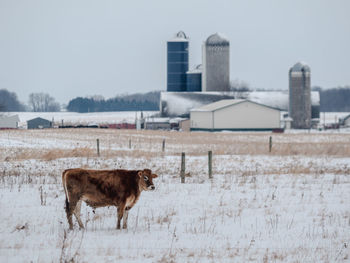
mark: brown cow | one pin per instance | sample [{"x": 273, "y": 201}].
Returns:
[{"x": 98, "y": 188}]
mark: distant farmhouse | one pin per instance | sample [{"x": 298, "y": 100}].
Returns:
[
  {"x": 9, "y": 122},
  {"x": 39, "y": 123},
  {"x": 235, "y": 115}
]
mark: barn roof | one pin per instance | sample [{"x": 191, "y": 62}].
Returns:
[
  {"x": 226, "y": 103},
  {"x": 38, "y": 118}
]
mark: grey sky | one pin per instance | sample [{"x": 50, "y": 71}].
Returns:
[{"x": 71, "y": 48}]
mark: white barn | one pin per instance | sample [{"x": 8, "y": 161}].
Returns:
[
  {"x": 9, "y": 122},
  {"x": 235, "y": 115}
]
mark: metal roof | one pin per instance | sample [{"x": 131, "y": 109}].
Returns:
[
  {"x": 300, "y": 66},
  {"x": 217, "y": 39},
  {"x": 218, "y": 105},
  {"x": 179, "y": 37},
  {"x": 196, "y": 70},
  {"x": 226, "y": 103}
]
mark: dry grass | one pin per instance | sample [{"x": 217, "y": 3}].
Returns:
[{"x": 148, "y": 144}]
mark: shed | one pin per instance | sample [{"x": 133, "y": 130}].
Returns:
[
  {"x": 157, "y": 124},
  {"x": 235, "y": 115},
  {"x": 9, "y": 122},
  {"x": 39, "y": 123}
]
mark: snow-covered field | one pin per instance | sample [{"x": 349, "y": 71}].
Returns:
[{"x": 290, "y": 205}]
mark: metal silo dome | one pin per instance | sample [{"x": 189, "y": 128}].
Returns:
[
  {"x": 299, "y": 67},
  {"x": 179, "y": 37},
  {"x": 217, "y": 40}
]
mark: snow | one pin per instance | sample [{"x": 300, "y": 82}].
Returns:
[
  {"x": 84, "y": 118},
  {"x": 258, "y": 207}
]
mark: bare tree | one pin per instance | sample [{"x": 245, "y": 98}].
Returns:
[
  {"x": 43, "y": 102},
  {"x": 239, "y": 89}
]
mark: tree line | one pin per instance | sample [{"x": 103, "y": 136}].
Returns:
[
  {"x": 135, "y": 102},
  {"x": 332, "y": 100},
  {"x": 37, "y": 102}
]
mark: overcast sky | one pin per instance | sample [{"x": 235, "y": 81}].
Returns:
[{"x": 71, "y": 48}]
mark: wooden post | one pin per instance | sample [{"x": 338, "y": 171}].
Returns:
[
  {"x": 98, "y": 147},
  {"x": 270, "y": 144},
  {"x": 129, "y": 143},
  {"x": 163, "y": 145},
  {"x": 210, "y": 172},
  {"x": 182, "y": 173}
]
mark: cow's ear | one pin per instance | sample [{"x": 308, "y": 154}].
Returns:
[
  {"x": 154, "y": 175},
  {"x": 139, "y": 174}
]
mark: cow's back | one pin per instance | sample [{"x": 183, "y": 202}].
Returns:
[{"x": 102, "y": 187}]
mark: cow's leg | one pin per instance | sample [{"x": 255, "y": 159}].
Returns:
[
  {"x": 70, "y": 207},
  {"x": 77, "y": 213},
  {"x": 125, "y": 218},
  {"x": 121, "y": 209}
]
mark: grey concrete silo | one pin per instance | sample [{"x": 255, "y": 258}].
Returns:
[
  {"x": 300, "y": 96},
  {"x": 216, "y": 64}
]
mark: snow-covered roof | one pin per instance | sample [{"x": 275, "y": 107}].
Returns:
[
  {"x": 196, "y": 70},
  {"x": 300, "y": 66},
  {"x": 38, "y": 118},
  {"x": 225, "y": 103},
  {"x": 217, "y": 39},
  {"x": 179, "y": 37},
  {"x": 218, "y": 105}
]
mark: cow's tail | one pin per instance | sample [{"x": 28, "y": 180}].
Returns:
[
  {"x": 67, "y": 206},
  {"x": 64, "y": 182}
]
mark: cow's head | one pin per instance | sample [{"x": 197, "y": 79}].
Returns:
[{"x": 146, "y": 177}]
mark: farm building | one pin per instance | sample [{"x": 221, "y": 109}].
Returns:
[
  {"x": 236, "y": 115},
  {"x": 39, "y": 123},
  {"x": 157, "y": 124},
  {"x": 180, "y": 103},
  {"x": 9, "y": 122}
]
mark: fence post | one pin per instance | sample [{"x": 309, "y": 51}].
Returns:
[
  {"x": 210, "y": 172},
  {"x": 129, "y": 143},
  {"x": 163, "y": 145},
  {"x": 98, "y": 147},
  {"x": 270, "y": 144},
  {"x": 182, "y": 173}
]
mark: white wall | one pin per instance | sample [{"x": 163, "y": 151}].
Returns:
[
  {"x": 247, "y": 115},
  {"x": 9, "y": 122},
  {"x": 201, "y": 119}
]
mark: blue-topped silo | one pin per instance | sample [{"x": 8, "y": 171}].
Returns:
[
  {"x": 177, "y": 62},
  {"x": 194, "y": 79}
]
